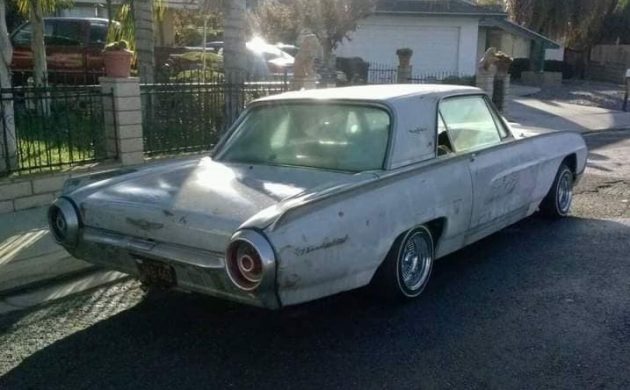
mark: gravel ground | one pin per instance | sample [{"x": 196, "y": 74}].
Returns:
[
  {"x": 538, "y": 305},
  {"x": 585, "y": 93}
]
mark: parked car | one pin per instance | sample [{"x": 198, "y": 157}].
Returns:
[
  {"x": 264, "y": 59},
  {"x": 316, "y": 192},
  {"x": 292, "y": 50},
  {"x": 277, "y": 61},
  {"x": 73, "y": 48}
]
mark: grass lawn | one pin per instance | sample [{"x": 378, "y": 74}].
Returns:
[{"x": 68, "y": 134}]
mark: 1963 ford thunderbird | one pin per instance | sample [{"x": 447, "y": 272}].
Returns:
[{"x": 316, "y": 192}]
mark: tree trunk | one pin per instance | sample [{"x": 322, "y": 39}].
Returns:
[
  {"x": 40, "y": 69},
  {"x": 8, "y": 144},
  {"x": 328, "y": 66},
  {"x": 110, "y": 14},
  {"x": 234, "y": 57},
  {"x": 143, "y": 17}
]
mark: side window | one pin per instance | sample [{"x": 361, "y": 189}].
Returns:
[
  {"x": 497, "y": 119},
  {"x": 65, "y": 33},
  {"x": 23, "y": 36},
  {"x": 98, "y": 34},
  {"x": 470, "y": 123},
  {"x": 444, "y": 143}
]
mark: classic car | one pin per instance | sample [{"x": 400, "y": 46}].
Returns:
[{"x": 316, "y": 192}]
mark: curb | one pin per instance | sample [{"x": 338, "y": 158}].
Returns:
[{"x": 611, "y": 130}]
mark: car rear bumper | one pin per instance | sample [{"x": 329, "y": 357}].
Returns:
[{"x": 196, "y": 270}]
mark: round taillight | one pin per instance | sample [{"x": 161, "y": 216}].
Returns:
[{"x": 244, "y": 265}]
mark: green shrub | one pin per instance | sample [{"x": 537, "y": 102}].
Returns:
[
  {"x": 519, "y": 65},
  {"x": 460, "y": 80},
  {"x": 189, "y": 36}
]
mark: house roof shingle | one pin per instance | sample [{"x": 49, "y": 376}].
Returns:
[{"x": 436, "y": 7}]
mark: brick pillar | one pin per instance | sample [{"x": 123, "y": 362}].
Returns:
[
  {"x": 123, "y": 119},
  {"x": 404, "y": 74},
  {"x": 500, "y": 97},
  {"x": 485, "y": 79},
  {"x": 405, "y": 70}
]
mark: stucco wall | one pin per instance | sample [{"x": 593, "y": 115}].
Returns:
[
  {"x": 441, "y": 44},
  {"x": 481, "y": 43},
  {"x": 555, "y": 54},
  {"x": 515, "y": 46}
]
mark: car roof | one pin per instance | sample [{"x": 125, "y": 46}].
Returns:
[
  {"x": 378, "y": 93},
  {"x": 77, "y": 18}
]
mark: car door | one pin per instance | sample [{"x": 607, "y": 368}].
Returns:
[{"x": 503, "y": 172}]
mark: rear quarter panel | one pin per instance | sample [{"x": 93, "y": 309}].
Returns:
[
  {"x": 549, "y": 151},
  {"x": 337, "y": 244}
]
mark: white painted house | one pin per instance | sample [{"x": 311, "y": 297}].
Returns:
[{"x": 446, "y": 36}]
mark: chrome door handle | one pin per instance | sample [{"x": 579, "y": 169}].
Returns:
[{"x": 473, "y": 156}]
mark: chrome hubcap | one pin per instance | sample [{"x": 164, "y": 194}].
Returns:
[
  {"x": 415, "y": 262},
  {"x": 565, "y": 193}
]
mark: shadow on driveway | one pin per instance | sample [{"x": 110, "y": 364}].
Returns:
[{"x": 540, "y": 304}]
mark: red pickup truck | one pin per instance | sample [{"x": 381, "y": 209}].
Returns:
[{"x": 73, "y": 50}]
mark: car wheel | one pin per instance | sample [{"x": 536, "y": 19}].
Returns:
[
  {"x": 406, "y": 271},
  {"x": 557, "y": 203}
]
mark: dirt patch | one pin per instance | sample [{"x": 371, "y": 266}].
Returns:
[{"x": 602, "y": 197}]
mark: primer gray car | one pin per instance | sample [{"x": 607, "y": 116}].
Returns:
[{"x": 312, "y": 193}]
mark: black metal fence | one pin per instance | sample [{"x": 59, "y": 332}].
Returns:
[
  {"x": 442, "y": 78},
  {"x": 388, "y": 74},
  {"x": 58, "y": 78},
  {"x": 51, "y": 127},
  {"x": 189, "y": 115},
  {"x": 382, "y": 74}
]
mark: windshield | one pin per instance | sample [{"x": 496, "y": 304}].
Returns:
[{"x": 328, "y": 136}]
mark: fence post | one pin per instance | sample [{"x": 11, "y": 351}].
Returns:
[
  {"x": 486, "y": 71},
  {"x": 122, "y": 108},
  {"x": 502, "y": 82},
  {"x": 404, "y": 65}
]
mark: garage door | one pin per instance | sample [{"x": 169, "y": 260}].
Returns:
[{"x": 435, "y": 49}]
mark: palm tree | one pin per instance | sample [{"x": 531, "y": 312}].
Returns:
[
  {"x": 145, "y": 45},
  {"x": 234, "y": 55},
  {"x": 136, "y": 18},
  {"x": 8, "y": 144}
]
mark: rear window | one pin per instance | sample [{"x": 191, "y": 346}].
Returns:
[{"x": 332, "y": 136}]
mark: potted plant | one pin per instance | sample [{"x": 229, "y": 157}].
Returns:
[
  {"x": 503, "y": 62},
  {"x": 117, "y": 59},
  {"x": 404, "y": 56}
]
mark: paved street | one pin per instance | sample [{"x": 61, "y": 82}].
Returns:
[{"x": 539, "y": 305}]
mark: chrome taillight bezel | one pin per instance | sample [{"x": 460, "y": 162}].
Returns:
[
  {"x": 264, "y": 255},
  {"x": 64, "y": 223}
]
